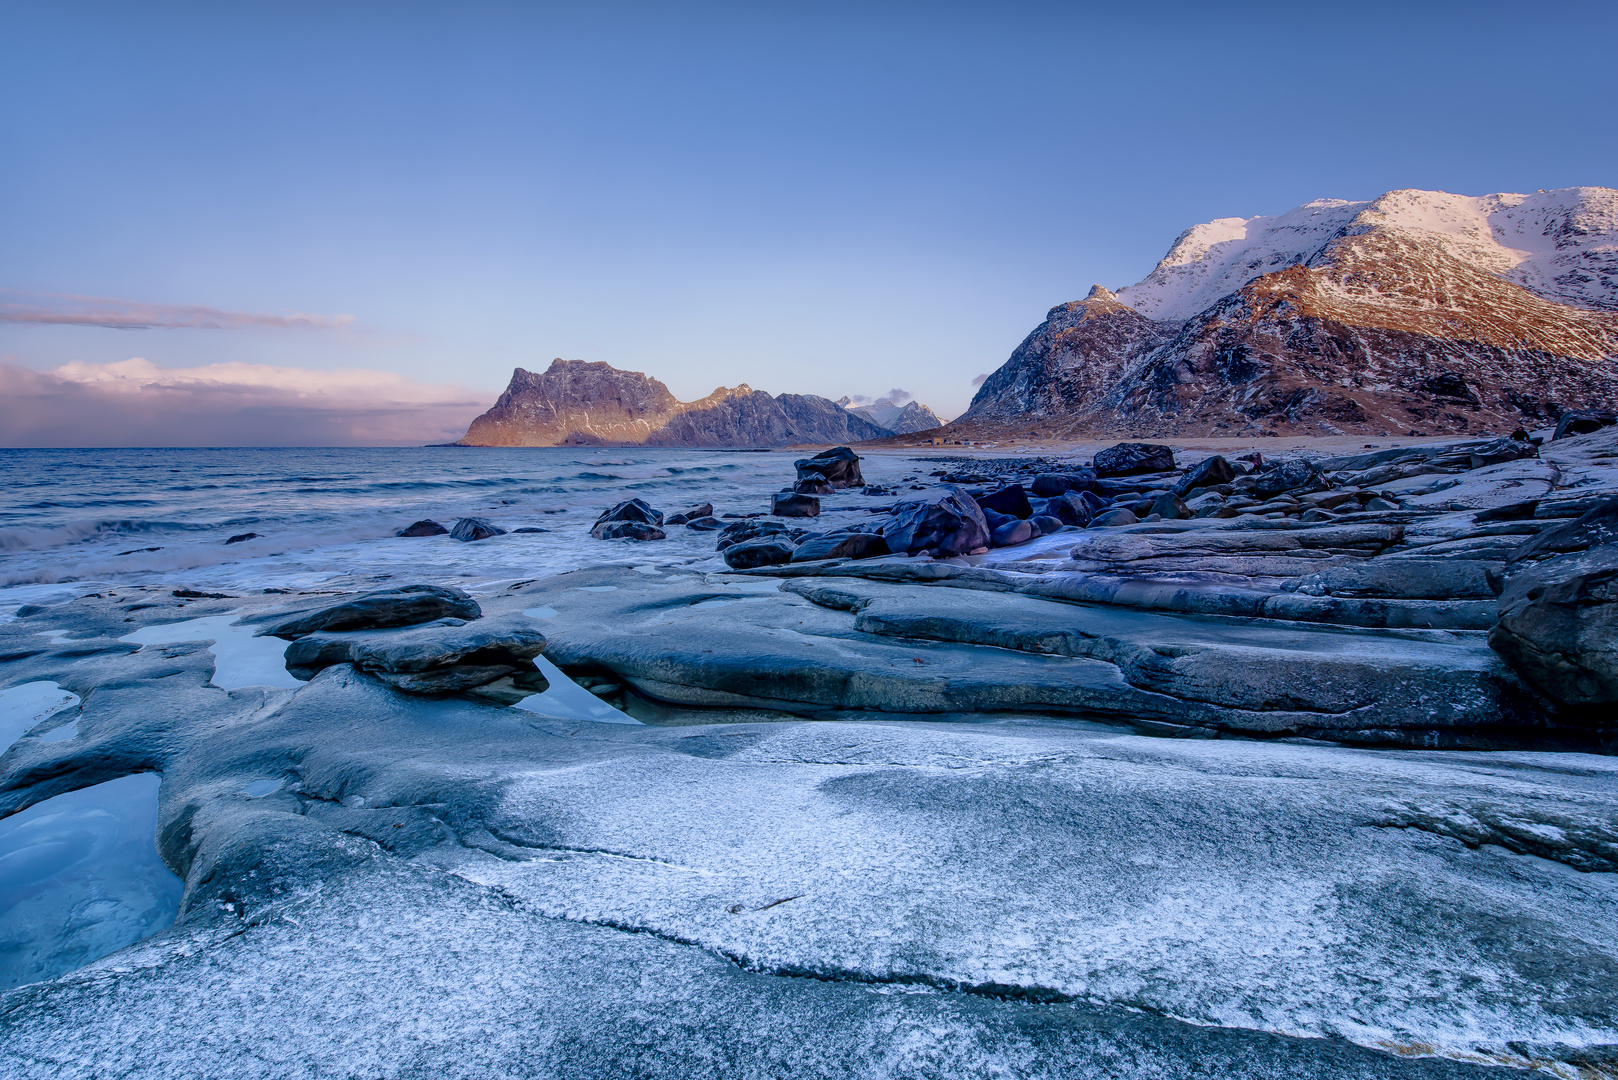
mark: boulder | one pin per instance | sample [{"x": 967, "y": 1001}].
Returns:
[
  {"x": 839, "y": 467},
  {"x": 701, "y": 510},
  {"x": 944, "y": 520},
  {"x": 1128, "y": 459},
  {"x": 407, "y": 605},
  {"x": 1214, "y": 470},
  {"x": 1068, "y": 508},
  {"x": 1109, "y": 518},
  {"x": 1291, "y": 475},
  {"x": 789, "y": 504},
  {"x": 1012, "y": 500},
  {"x": 761, "y": 551},
  {"x": 812, "y": 484},
  {"x": 741, "y": 531},
  {"x": 1012, "y": 533},
  {"x": 1582, "y": 423},
  {"x": 627, "y": 530},
  {"x": 424, "y": 527},
  {"x": 841, "y": 545},
  {"x": 705, "y": 524},
  {"x": 1044, "y": 525},
  {"x": 242, "y": 538},
  {"x": 631, "y": 510},
  {"x": 440, "y": 658},
  {"x": 1047, "y": 485},
  {"x": 472, "y": 528},
  {"x": 1171, "y": 508},
  {"x": 1559, "y": 629}
]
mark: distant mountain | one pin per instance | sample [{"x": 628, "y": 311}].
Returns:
[
  {"x": 898, "y": 419},
  {"x": 574, "y": 403},
  {"x": 1419, "y": 310}
]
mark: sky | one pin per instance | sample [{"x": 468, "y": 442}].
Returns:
[{"x": 348, "y": 222}]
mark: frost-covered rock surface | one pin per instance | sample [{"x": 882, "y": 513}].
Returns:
[{"x": 381, "y": 885}]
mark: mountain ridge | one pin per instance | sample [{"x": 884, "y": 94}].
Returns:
[{"x": 592, "y": 403}]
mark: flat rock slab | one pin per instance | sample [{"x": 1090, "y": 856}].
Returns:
[{"x": 870, "y": 645}]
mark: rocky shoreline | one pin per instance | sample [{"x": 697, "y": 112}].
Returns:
[{"x": 1383, "y": 842}]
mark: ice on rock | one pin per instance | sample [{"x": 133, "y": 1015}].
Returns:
[
  {"x": 80, "y": 878},
  {"x": 240, "y": 658},
  {"x": 21, "y": 707}
]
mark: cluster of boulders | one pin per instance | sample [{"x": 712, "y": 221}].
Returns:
[
  {"x": 465, "y": 529},
  {"x": 422, "y": 639}
]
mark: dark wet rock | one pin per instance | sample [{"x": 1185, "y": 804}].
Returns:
[
  {"x": 1011, "y": 500},
  {"x": 701, "y": 510},
  {"x": 474, "y": 528},
  {"x": 440, "y": 658},
  {"x": 1559, "y": 629},
  {"x": 812, "y": 484},
  {"x": 1170, "y": 508},
  {"x": 1207, "y": 473},
  {"x": 1595, "y": 528},
  {"x": 406, "y": 605},
  {"x": 1046, "y": 485},
  {"x": 741, "y": 531},
  {"x": 627, "y": 530},
  {"x": 771, "y": 550},
  {"x": 1070, "y": 508},
  {"x": 242, "y": 538},
  {"x": 530, "y": 529},
  {"x": 1045, "y": 525},
  {"x": 945, "y": 521},
  {"x": 1128, "y": 459},
  {"x": 1289, "y": 476},
  {"x": 637, "y": 510},
  {"x": 786, "y": 504},
  {"x": 1582, "y": 423},
  {"x": 424, "y": 527},
  {"x": 1110, "y": 518},
  {"x": 839, "y": 467},
  {"x": 1377, "y": 503},
  {"x": 1012, "y": 533},
  {"x": 841, "y": 545},
  {"x": 705, "y": 524}
]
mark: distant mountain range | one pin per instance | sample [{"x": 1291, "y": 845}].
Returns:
[
  {"x": 1419, "y": 311},
  {"x": 898, "y": 419},
  {"x": 574, "y": 403}
]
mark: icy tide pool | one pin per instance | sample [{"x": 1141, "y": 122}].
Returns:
[{"x": 79, "y": 873}]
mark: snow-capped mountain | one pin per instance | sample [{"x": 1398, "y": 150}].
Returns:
[{"x": 1419, "y": 310}]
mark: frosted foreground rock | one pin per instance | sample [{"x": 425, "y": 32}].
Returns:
[{"x": 384, "y": 885}]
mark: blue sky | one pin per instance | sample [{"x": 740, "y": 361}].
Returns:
[{"x": 818, "y": 198}]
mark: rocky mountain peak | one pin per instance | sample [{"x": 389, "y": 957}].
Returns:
[
  {"x": 1101, "y": 292},
  {"x": 1341, "y": 316}
]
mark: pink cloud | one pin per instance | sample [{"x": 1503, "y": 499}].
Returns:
[
  {"x": 136, "y": 403},
  {"x": 69, "y": 310}
]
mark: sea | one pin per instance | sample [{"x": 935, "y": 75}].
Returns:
[{"x": 76, "y": 521}]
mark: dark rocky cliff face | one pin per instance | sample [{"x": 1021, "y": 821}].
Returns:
[{"x": 576, "y": 403}]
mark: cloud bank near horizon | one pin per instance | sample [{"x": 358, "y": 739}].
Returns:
[
  {"x": 136, "y": 403},
  {"x": 53, "y": 309}
]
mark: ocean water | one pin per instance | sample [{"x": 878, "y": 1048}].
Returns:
[{"x": 73, "y": 521}]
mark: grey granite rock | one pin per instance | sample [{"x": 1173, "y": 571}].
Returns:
[
  {"x": 1129, "y": 459},
  {"x": 406, "y": 605},
  {"x": 1559, "y": 628}
]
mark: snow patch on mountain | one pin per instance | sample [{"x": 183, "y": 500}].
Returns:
[{"x": 1562, "y": 244}]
